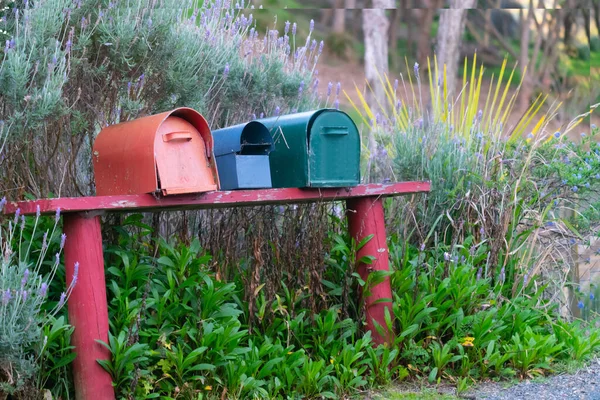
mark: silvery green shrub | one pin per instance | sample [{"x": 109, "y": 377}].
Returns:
[
  {"x": 71, "y": 67},
  {"x": 24, "y": 287}
]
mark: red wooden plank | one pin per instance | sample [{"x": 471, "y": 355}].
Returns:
[{"x": 219, "y": 199}]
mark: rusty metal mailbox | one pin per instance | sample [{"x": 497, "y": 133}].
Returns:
[
  {"x": 314, "y": 149},
  {"x": 242, "y": 154},
  {"x": 167, "y": 153}
]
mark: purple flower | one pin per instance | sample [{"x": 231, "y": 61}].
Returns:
[
  {"x": 262, "y": 115},
  {"x": 300, "y": 88},
  {"x": 24, "y": 295},
  {"x": 43, "y": 289},
  {"x": 416, "y": 69},
  {"x": 63, "y": 239},
  {"x": 75, "y": 274},
  {"x": 398, "y": 105},
  {"x": 557, "y": 134},
  {"x": 57, "y": 216},
  {"x": 57, "y": 258},
  {"x": 395, "y": 84},
  {"x": 277, "y": 111},
  {"x": 592, "y": 297},
  {"x": 502, "y": 275},
  {"x": 22, "y": 222},
  {"x": 575, "y": 188},
  {"x": 479, "y": 271},
  {"x": 446, "y": 256},
  {"x": 25, "y": 277},
  {"x": 286, "y": 29},
  {"x": 314, "y": 88},
  {"x": 294, "y": 26},
  {"x": 329, "y": 87},
  {"x": 580, "y": 305},
  {"x": 226, "y": 70},
  {"x": 2, "y": 203},
  {"x": 338, "y": 88},
  {"x": 17, "y": 214},
  {"x": 530, "y": 136},
  {"x": 321, "y": 44},
  {"x": 253, "y": 117},
  {"x": 313, "y": 45},
  {"x": 6, "y": 296},
  {"x": 150, "y": 22},
  {"x": 63, "y": 297},
  {"x": 422, "y": 247},
  {"x": 336, "y": 104},
  {"x": 525, "y": 279},
  {"x": 311, "y": 27}
]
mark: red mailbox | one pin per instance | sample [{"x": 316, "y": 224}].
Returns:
[{"x": 167, "y": 153}]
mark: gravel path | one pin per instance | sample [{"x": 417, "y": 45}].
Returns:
[{"x": 582, "y": 385}]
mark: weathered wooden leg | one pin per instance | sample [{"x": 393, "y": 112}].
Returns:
[
  {"x": 365, "y": 217},
  {"x": 88, "y": 309}
]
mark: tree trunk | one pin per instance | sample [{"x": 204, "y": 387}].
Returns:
[
  {"x": 569, "y": 20},
  {"x": 527, "y": 86},
  {"x": 596, "y": 6},
  {"x": 393, "y": 38},
  {"x": 486, "y": 30},
  {"x": 451, "y": 27},
  {"x": 409, "y": 16},
  {"x": 586, "y": 25},
  {"x": 326, "y": 15},
  {"x": 375, "y": 27},
  {"x": 424, "y": 41},
  {"x": 355, "y": 16},
  {"x": 339, "y": 17}
]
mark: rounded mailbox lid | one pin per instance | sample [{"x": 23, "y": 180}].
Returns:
[
  {"x": 175, "y": 146},
  {"x": 334, "y": 150},
  {"x": 181, "y": 158}
]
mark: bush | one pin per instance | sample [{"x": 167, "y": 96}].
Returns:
[
  {"x": 71, "y": 68},
  {"x": 178, "y": 330},
  {"x": 504, "y": 185},
  {"x": 29, "y": 329}
]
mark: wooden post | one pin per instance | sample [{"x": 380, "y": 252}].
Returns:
[
  {"x": 88, "y": 309},
  {"x": 365, "y": 217}
]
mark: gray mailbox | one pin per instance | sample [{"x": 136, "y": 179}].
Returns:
[{"x": 242, "y": 154}]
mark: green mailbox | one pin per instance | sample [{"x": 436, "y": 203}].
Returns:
[{"x": 314, "y": 149}]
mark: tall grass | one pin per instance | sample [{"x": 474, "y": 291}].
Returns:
[{"x": 495, "y": 178}]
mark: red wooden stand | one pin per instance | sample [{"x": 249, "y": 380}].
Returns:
[
  {"x": 88, "y": 309},
  {"x": 365, "y": 217}
]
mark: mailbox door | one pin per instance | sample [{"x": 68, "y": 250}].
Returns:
[
  {"x": 181, "y": 159},
  {"x": 334, "y": 155}
]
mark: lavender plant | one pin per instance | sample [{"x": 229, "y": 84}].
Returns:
[
  {"x": 503, "y": 183},
  {"x": 24, "y": 287},
  {"x": 71, "y": 67}
]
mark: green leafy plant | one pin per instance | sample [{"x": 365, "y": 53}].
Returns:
[{"x": 125, "y": 357}]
